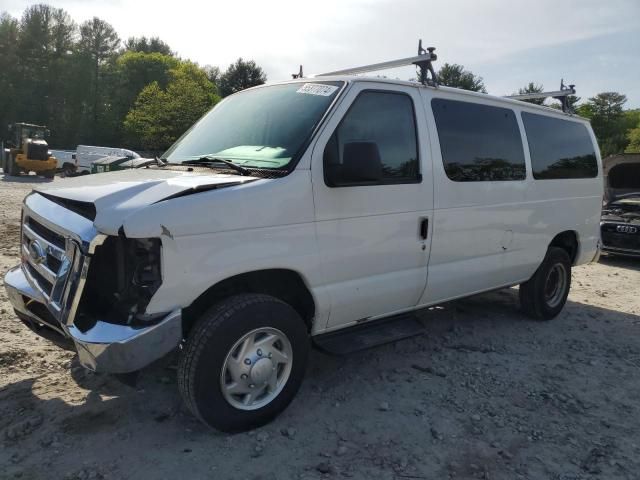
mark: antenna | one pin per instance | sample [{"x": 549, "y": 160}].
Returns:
[
  {"x": 561, "y": 95},
  {"x": 423, "y": 61},
  {"x": 298, "y": 75}
]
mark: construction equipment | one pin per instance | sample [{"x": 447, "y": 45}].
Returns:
[{"x": 28, "y": 151}]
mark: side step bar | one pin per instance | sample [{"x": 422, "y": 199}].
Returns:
[{"x": 369, "y": 334}]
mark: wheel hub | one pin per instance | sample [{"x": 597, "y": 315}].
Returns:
[
  {"x": 261, "y": 371},
  {"x": 256, "y": 368},
  {"x": 555, "y": 285}
]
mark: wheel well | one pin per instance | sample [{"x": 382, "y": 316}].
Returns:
[
  {"x": 568, "y": 241},
  {"x": 285, "y": 285}
]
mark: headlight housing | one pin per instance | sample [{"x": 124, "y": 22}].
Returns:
[{"x": 124, "y": 273}]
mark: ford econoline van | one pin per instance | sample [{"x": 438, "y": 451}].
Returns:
[{"x": 298, "y": 213}]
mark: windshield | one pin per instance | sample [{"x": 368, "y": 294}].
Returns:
[{"x": 264, "y": 127}]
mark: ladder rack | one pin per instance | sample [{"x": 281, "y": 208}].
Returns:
[
  {"x": 423, "y": 61},
  {"x": 561, "y": 95}
]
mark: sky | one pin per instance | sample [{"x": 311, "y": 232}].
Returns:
[{"x": 593, "y": 44}]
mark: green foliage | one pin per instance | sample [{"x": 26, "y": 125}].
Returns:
[
  {"x": 132, "y": 72},
  {"x": 532, "y": 87},
  {"x": 98, "y": 40},
  {"x": 9, "y": 28},
  {"x": 634, "y": 140},
  {"x": 608, "y": 121},
  {"x": 82, "y": 84},
  {"x": 147, "y": 45},
  {"x": 213, "y": 73},
  {"x": 454, "y": 75},
  {"x": 632, "y": 119},
  {"x": 161, "y": 115},
  {"x": 240, "y": 75}
]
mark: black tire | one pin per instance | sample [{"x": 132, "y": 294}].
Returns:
[
  {"x": 12, "y": 169},
  {"x": 543, "y": 296},
  {"x": 49, "y": 173},
  {"x": 206, "y": 349},
  {"x": 68, "y": 170}
]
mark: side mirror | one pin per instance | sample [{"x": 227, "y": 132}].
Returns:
[{"x": 361, "y": 164}]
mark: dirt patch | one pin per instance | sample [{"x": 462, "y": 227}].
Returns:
[
  {"x": 12, "y": 357},
  {"x": 486, "y": 393}
]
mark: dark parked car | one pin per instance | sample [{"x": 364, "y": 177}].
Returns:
[{"x": 620, "y": 224}]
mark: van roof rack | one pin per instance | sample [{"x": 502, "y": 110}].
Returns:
[
  {"x": 300, "y": 74},
  {"x": 423, "y": 61},
  {"x": 562, "y": 95}
]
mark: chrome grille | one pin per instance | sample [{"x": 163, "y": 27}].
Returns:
[
  {"x": 56, "y": 246},
  {"x": 48, "y": 257}
]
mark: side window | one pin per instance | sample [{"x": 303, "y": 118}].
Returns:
[
  {"x": 559, "y": 148},
  {"x": 478, "y": 142},
  {"x": 375, "y": 143}
]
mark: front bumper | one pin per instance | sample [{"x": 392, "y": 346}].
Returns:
[
  {"x": 622, "y": 251},
  {"x": 37, "y": 166},
  {"x": 620, "y": 238},
  {"x": 105, "y": 347}
]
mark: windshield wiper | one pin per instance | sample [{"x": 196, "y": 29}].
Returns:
[{"x": 209, "y": 159}]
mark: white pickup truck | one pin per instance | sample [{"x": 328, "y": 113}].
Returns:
[{"x": 299, "y": 213}]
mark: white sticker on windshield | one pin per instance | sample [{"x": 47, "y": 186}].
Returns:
[{"x": 317, "y": 89}]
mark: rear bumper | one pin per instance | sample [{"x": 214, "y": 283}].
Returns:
[{"x": 105, "y": 347}]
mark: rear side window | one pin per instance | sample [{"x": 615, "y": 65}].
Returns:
[
  {"x": 479, "y": 142},
  {"x": 559, "y": 148},
  {"x": 379, "y": 128}
]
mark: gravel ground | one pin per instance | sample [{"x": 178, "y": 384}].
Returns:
[{"x": 485, "y": 393}]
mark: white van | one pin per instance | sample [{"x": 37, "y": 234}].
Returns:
[
  {"x": 306, "y": 213},
  {"x": 87, "y": 154},
  {"x": 67, "y": 162}
]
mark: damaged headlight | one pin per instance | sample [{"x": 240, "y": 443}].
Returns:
[{"x": 123, "y": 275}]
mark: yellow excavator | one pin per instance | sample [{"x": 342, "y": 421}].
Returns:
[{"x": 28, "y": 151}]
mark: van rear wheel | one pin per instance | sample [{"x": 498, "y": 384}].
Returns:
[
  {"x": 243, "y": 362},
  {"x": 543, "y": 296}
]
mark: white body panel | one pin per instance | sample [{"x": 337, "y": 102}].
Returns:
[
  {"x": 86, "y": 154},
  {"x": 373, "y": 259},
  {"x": 357, "y": 249},
  {"x": 493, "y": 234},
  {"x": 64, "y": 156}
]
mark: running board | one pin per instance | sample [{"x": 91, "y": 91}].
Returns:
[{"x": 369, "y": 334}]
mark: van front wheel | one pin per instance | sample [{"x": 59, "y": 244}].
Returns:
[
  {"x": 543, "y": 296},
  {"x": 243, "y": 362}
]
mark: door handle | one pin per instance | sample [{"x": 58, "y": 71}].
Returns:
[{"x": 424, "y": 228}]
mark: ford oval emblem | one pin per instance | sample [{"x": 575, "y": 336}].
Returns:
[{"x": 37, "y": 252}]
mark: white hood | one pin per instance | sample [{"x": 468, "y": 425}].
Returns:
[{"x": 116, "y": 195}]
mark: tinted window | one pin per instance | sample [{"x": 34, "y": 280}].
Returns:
[
  {"x": 380, "y": 128},
  {"x": 478, "y": 142},
  {"x": 559, "y": 148}
]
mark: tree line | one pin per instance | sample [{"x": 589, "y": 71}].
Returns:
[{"x": 89, "y": 86}]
